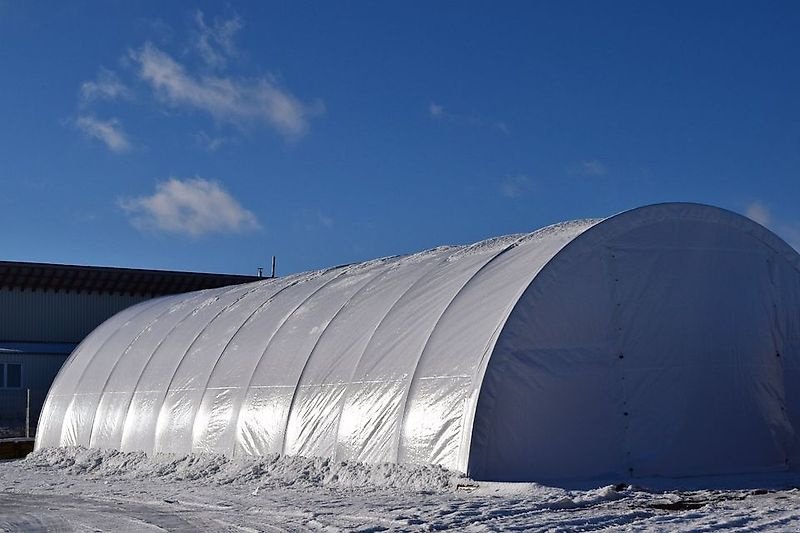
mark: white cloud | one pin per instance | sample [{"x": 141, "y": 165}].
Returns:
[
  {"x": 227, "y": 100},
  {"x": 215, "y": 43},
  {"x": 107, "y": 131},
  {"x": 759, "y": 212},
  {"x": 107, "y": 86},
  {"x": 515, "y": 186},
  {"x": 193, "y": 206},
  {"x": 436, "y": 110}
]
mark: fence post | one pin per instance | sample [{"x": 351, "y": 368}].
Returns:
[{"x": 28, "y": 414}]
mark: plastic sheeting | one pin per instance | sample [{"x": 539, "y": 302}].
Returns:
[{"x": 661, "y": 341}]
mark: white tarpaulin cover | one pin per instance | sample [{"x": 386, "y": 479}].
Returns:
[{"x": 661, "y": 341}]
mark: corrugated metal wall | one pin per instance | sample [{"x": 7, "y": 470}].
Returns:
[
  {"x": 38, "y": 372},
  {"x": 49, "y": 316}
]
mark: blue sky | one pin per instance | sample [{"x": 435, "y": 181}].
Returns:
[{"x": 211, "y": 136}]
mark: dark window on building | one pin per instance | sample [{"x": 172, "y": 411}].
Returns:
[
  {"x": 10, "y": 375},
  {"x": 13, "y": 375}
]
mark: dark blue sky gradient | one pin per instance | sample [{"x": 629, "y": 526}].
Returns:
[{"x": 551, "y": 111}]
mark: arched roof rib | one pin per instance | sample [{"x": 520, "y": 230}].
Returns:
[
  {"x": 100, "y": 369},
  {"x": 174, "y": 371},
  {"x": 273, "y": 322},
  {"x": 62, "y": 392},
  {"x": 276, "y": 366}
]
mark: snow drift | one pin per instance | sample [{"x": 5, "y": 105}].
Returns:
[
  {"x": 269, "y": 471},
  {"x": 663, "y": 341}
]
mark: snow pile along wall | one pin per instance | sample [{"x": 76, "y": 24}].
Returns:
[
  {"x": 267, "y": 471},
  {"x": 661, "y": 341}
]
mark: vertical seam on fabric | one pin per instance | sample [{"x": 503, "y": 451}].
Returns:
[
  {"x": 272, "y": 337},
  {"x": 480, "y": 370},
  {"x": 111, "y": 371},
  {"x": 69, "y": 363},
  {"x": 158, "y": 347},
  {"x": 189, "y": 348},
  {"x": 407, "y": 392},
  {"x": 316, "y": 344},
  {"x": 92, "y": 358},
  {"x": 227, "y": 344},
  {"x": 375, "y": 331}
]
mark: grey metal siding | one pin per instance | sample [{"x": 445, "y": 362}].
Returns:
[
  {"x": 38, "y": 372},
  {"x": 50, "y": 316}
]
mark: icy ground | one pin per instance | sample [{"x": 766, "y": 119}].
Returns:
[{"x": 74, "y": 489}]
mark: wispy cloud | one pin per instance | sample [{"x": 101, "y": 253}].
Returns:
[
  {"x": 215, "y": 42},
  {"x": 200, "y": 86},
  {"x": 515, "y": 186},
  {"x": 324, "y": 219},
  {"x": 227, "y": 100},
  {"x": 439, "y": 112},
  {"x": 107, "y": 86},
  {"x": 211, "y": 144},
  {"x": 587, "y": 168},
  {"x": 759, "y": 212},
  {"x": 107, "y": 131},
  {"x": 314, "y": 219},
  {"x": 193, "y": 207}
]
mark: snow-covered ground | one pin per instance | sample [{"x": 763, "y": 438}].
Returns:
[{"x": 75, "y": 489}]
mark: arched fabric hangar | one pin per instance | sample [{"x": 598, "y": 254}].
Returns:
[{"x": 662, "y": 341}]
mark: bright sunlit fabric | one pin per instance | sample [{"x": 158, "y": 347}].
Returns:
[{"x": 661, "y": 341}]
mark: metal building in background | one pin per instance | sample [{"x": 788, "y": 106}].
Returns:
[{"x": 47, "y": 309}]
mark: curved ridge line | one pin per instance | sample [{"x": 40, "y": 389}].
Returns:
[
  {"x": 433, "y": 268},
  {"x": 407, "y": 393},
  {"x": 507, "y": 313},
  {"x": 227, "y": 344},
  {"x": 94, "y": 356},
  {"x": 316, "y": 344},
  {"x": 70, "y": 362},
  {"x": 157, "y": 347},
  {"x": 283, "y": 322},
  {"x": 524, "y": 240},
  {"x": 79, "y": 348},
  {"x": 189, "y": 348},
  {"x": 478, "y": 373},
  {"x": 116, "y": 363}
]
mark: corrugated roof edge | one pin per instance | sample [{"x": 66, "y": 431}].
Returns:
[{"x": 58, "y": 277}]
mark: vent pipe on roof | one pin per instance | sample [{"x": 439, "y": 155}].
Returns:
[{"x": 273, "y": 267}]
